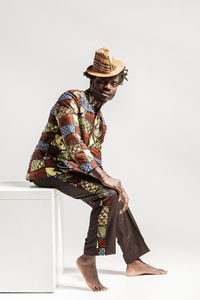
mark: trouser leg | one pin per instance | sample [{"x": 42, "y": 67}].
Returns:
[
  {"x": 129, "y": 237},
  {"x": 105, "y": 223},
  {"x": 101, "y": 236}
]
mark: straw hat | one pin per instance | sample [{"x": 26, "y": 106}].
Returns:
[{"x": 104, "y": 65}]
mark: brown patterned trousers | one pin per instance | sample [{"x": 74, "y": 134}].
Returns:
[{"x": 106, "y": 224}]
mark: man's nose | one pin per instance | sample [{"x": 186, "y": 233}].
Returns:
[{"x": 107, "y": 86}]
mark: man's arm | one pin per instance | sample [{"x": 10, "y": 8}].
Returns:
[
  {"x": 66, "y": 113},
  {"x": 99, "y": 173},
  {"x": 113, "y": 183}
]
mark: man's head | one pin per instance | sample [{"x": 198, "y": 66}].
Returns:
[
  {"x": 105, "y": 88},
  {"x": 105, "y": 75}
]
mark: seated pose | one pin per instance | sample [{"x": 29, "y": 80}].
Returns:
[{"x": 68, "y": 158}]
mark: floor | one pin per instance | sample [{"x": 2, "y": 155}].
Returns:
[{"x": 181, "y": 282}]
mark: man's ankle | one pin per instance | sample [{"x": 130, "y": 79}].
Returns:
[
  {"x": 135, "y": 261},
  {"x": 88, "y": 257}
]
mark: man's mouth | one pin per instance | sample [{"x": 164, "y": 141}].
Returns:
[{"x": 104, "y": 93}]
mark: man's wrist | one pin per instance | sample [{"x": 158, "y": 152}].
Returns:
[{"x": 98, "y": 173}]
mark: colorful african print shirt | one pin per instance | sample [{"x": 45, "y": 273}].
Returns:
[{"x": 72, "y": 138}]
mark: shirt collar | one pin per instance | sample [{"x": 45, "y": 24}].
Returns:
[{"x": 92, "y": 100}]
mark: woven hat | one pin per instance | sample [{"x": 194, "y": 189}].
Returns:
[{"x": 104, "y": 65}]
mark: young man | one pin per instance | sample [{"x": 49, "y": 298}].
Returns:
[{"x": 68, "y": 158}]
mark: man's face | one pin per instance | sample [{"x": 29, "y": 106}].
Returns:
[{"x": 104, "y": 88}]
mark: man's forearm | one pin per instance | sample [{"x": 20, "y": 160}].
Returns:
[{"x": 99, "y": 173}]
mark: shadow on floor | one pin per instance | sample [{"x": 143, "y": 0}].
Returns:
[{"x": 100, "y": 271}]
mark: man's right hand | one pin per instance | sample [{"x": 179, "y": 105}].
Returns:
[
  {"x": 116, "y": 184},
  {"x": 113, "y": 183}
]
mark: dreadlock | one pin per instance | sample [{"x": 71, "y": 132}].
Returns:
[{"x": 122, "y": 75}]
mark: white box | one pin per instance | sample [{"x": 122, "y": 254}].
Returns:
[{"x": 31, "y": 239}]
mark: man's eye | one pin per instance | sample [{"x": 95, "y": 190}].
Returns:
[
  {"x": 102, "y": 81},
  {"x": 114, "y": 84}
]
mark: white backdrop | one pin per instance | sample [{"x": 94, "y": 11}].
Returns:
[{"x": 152, "y": 142}]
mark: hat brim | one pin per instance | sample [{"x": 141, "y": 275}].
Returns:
[{"x": 118, "y": 69}]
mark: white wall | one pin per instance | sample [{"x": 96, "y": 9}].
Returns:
[{"x": 152, "y": 142}]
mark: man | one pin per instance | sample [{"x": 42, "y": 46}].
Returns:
[{"x": 68, "y": 158}]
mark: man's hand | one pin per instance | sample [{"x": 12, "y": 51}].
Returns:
[
  {"x": 112, "y": 183},
  {"x": 116, "y": 184}
]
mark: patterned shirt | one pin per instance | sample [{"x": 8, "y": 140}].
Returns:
[{"x": 72, "y": 138}]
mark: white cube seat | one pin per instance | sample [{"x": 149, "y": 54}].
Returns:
[{"x": 31, "y": 235}]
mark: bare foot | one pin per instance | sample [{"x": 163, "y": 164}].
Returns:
[
  {"x": 138, "y": 267},
  {"x": 87, "y": 266}
]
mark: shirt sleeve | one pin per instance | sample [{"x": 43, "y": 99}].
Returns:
[
  {"x": 96, "y": 152},
  {"x": 66, "y": 113}
]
